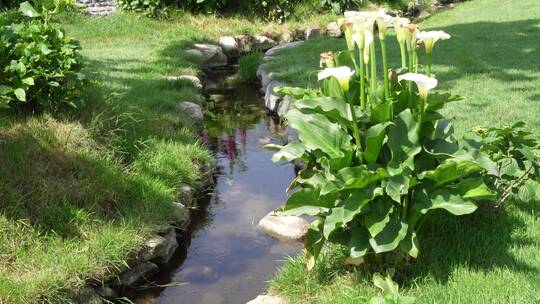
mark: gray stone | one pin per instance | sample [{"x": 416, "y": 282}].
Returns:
[
  {"x": 106, "y": 292},
  {"x": 333, "y": 30},
  {"x": 185, "y": 194},
  {"x": 195, "y": 55},
  {"x": 266, "y": 299},
  {"x": 271, "y": 100},
  {"x": 194, "y": 111},
  {"x": 170, "y": 249},
  {"x": 160, "y": 248},
  {"x": 192, "y": 80},
  {"x": 264, "y": 76},
  {"x": 244, "y": 42},
  {"x": 162, "y": 229},
  {"x": 87, "y": 295},
  {"x": 136, "y": 274},
  {"x": 213, "y": 54},
  {"x": 181, "y": 215},
  {"x": 313, "y": 32},
  {"x": 284, "y": 106},
  {"x": 274, "y": 50},
  {"x": 288, "y": 229},
  {"x": 262, "y": 43},
  {"x": 229, "y": 45}
]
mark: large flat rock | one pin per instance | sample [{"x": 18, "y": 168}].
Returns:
[{"x": 288, "y": 229}]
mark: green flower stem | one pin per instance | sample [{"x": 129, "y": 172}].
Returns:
[
  {"x": 385, "y": 67},
  {"x": 415, "y": 61},
  {"x": 362, "y": 80},
  {"x": 411, "y": 63},
  {"x": 423, "y": 101},
  {"x": 403, "y": 55},
  {"x": 373, "y": 67},
  {"x": 356, "y": 133},
  {"x": 405, "y": 207},
  {"x": 428, "y": 64}
]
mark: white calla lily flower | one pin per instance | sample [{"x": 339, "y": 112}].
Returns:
[
  {"x": 343, "y": 75},
  {"x": 429, "y": 38},
  {"x": 423, "y": 82},
  {"x": 400, "y": 25},
  {"x": 384, "y": 21}
]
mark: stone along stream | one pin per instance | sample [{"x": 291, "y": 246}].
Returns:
[{"x": 229, "y": 260}]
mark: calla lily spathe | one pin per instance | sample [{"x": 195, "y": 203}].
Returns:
[
  {"x": 343, "y": 74},
  {"x": 400, "y": 26},
  {"x": 384, "y": 21},
  {"x": 429, "y": 39},
  {"x": 423, "y": 82}
]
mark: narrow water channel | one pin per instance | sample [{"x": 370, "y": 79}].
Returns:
[{"x": 229, "y": 260}]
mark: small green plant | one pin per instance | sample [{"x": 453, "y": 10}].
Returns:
[
  {"x": 339, "y": 6},
  {"x": 39, "y": 64},
  {"x": 151, "y": 8},
  {"x": 379, "y": 156},
  {"x": 390, "y": 290},
  {"x": 516, "y": 153},
  {"x": 247, "y": 66}
]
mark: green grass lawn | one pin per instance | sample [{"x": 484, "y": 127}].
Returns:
[
  {"x": 81, "y": 190},
  {"x": 492, "y": 256}
]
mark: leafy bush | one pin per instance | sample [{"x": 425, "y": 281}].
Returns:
[
  {"x": 247, "y": 66},
  {"x": 516, "y": 154},
  {"x": 276, "y": 10},
  {"x": 39, "y": 64},
  {"x": 339, "y": 6},
  {"x": 379, "y": 156}
]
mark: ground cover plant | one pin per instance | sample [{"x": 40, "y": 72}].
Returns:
[{"x": 485, "y": 253}]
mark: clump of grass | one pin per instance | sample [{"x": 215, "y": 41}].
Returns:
[{"x": 247, "y": 66}]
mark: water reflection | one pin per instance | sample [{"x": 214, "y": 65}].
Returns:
[{"x": 229, "y": 260}]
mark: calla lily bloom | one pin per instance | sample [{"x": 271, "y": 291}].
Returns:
[
  {"x": 343, "y": 75},
  {"x": 400, "y": 25},
  {"x": 347, "y": 27},
  {"x": 384, "y": 21},
  {"x": 429, "y": 39},
  {"x": 327, "y": 60},
  {"x": 423, "y": 82}
]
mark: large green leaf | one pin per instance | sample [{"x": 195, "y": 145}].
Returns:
[
  {"x": 314, "y": 244},
  {"x": 475, "y": 188},
  {"x": 442, "y": 199},
  {"x": 392, "y": 234},
  {"x": 378, "y": 216},
  {"x": 410, "y": 243},
  {"x": 403, "y": 143},
  {"x": 335, "y": 108},
  {"x": 28, "y": 10},
  {"x": 355, "y": 203},
  {"x": 359, "y": 243},
  {"x": 436, "y": 101},
  {"x": 451, "y": 170},
  {"x": 353, "y": 178},
  {"x": 333, "y": 221},
  {"x": 374, "y": 140},
  {"x": 319, "y": 133},
  {"x": 293, "y": 150},
  {"x": 307, "y": 201},
  {"x": 396, "y": 186},
  {"x": 467, "y": 149}
]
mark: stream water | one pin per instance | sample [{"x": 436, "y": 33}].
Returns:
[{"x": 229, "y": 260}]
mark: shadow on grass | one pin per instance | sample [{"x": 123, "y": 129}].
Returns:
[{"x": 506, "y": 51}]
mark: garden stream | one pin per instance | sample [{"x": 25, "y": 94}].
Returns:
[{"x": 228, "y": 259}]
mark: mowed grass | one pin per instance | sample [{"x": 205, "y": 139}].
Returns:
[
  {"x": 493, "y": 255},
  {"x": 81, "y": 190}
]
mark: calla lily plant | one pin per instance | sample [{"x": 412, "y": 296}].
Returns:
[{"x": 379, "y": 155}]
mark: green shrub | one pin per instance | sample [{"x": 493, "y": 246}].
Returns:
[
  {"x": 247, "y": 66},
  {"x": 339, "y": 6},
  {"x": 39, "y": 65}
]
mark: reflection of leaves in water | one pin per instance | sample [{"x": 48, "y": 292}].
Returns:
[
  {"x": 228, "y": 120},
  {"x": 227, "y": 117}
]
